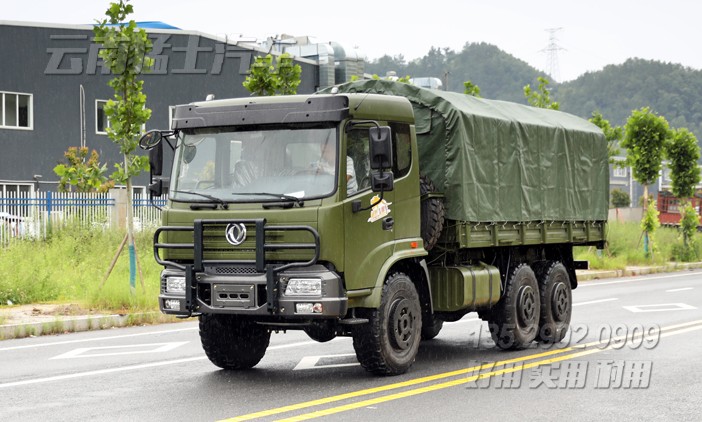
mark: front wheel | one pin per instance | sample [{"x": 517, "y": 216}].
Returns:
[
  {"x": 388, "y": 343},
  {"x": 231, "y": 342}
]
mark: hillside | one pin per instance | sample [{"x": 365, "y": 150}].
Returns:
[
  {"x": 498, "y": 74},
  {"x": 671, "y": 90}
]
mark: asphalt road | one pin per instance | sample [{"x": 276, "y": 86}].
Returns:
[{"x": 632, "y": 353}]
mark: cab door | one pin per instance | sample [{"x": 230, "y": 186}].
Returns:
[{"x": 369, "y": 237}]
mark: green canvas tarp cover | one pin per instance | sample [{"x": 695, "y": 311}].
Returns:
[{"x": 497, "y": 161}]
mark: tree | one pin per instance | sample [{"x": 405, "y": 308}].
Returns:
[
  {"x": 84, "y": 173},
  {"x": 619, "y": 198},
  {"x": 683, "y": 152},
  {"x": 261, "y": 80},
  {"x": 123, "y": 50},
  {"x": 541, "y": 97},
  {"x": 645, "y": 137},
  {"x": 613, "y": 134},
  {"x": 288, "y": 75},
  {"x": 264, "y": 79},
  {"x": 471, "y": 89},
  {"x": 649, "y": 224}
]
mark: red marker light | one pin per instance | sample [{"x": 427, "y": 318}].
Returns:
[{"x": 414, "y": 245}]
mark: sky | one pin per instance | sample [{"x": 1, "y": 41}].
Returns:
[{"x": 592, "y": 33}]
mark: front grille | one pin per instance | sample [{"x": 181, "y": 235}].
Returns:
[{"x": 235, "y": 270}]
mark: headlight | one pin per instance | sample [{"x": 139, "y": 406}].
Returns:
[
  {"x": 175, "y": 285},
  {"x": 304, "y": 287}
]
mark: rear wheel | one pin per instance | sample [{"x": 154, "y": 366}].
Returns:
[
  {"x": 388, "y": 343},
  {"x": 231, "y": 342},
  {"x": 556, "y": 302},
  {"x": 514, "y": 323}
]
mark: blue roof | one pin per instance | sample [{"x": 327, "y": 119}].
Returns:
[
  {"x": 152, "y": 25},
  {"x": 155, "y": 25}
]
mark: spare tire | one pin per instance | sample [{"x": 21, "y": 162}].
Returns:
[{"x": 432, "y": 216}]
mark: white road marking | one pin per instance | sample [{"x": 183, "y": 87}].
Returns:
[
  {"x": 131, "y": 367},
  {"x": 128, "y": 349},
  {"x": 461, "y": 321},
  {"x": 660, "y": 307},
  {"x": 630, "y": 280},
  {"x": 679, "y": 290},
  {"x": 59, "y": 343},
  {"x": 310, "y": 362},
  {"x": 595, "y": 301}
]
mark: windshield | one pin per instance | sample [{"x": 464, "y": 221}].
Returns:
[{"x": 254, "y": 165}]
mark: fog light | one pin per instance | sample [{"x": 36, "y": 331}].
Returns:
[
  {"x": 304, "y": 287},
  {"x": 317, "y": 308},
  {"x": 175, "y": 285},
  {"x": 172, "y": 304}
]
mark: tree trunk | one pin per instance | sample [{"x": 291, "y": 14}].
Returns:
[
  {"x": 130, "y": 232},
  {"x": 645, "y": 208}
]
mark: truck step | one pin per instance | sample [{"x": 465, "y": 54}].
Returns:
[{"x": 353, "y": 321}]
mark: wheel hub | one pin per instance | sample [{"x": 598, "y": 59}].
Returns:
[
  {"x": 402, "y": 320},
  {"x": 526, "y": 306},
  {"x": 560, "y": 302}
]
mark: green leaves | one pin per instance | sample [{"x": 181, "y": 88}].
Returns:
[
  {"x": 619, "y": 198},
  {"x": 83, "y": 172},
  {"x": 541, "y": 97},
  {"x": 613, "y": 134},
  {"x": 683, "y": 152},
  {"x": 123, "y": 50},
  {"x": 689, "y": 221},
  {"x": 264, "y": 79},
  {"x": 288, "y": 75},
  {"x": 469, "y": 88},
  {"x": 645, "y": 137},
  {"x": 650, "y": 222}
]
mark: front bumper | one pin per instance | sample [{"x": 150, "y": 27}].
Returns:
[{"x": 220, "y": 290}]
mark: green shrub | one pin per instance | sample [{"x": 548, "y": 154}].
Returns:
[{"x": 70, "y": 266}]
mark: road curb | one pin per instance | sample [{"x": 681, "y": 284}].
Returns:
[
  {"x": 70, "y": 324},
  {"x": 590, "y": 275}
]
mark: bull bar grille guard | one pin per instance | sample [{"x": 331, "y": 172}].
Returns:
[{"x": 260, "y": 261}]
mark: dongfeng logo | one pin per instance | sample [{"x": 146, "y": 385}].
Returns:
[{"x": 235, "y": 234}]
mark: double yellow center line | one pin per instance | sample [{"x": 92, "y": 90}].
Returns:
[{"x": 509, "y": 365}]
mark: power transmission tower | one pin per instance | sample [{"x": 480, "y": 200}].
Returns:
[{"x": 552, "y": 53}]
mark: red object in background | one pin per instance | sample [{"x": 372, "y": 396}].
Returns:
[{"x": 668, "y": 207}]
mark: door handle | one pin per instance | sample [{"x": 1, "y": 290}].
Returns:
[{"x": 388, "y": 223}]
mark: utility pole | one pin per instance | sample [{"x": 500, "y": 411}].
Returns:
[{"x": 551, "y": 51}]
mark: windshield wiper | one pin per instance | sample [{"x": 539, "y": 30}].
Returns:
[
  {"x": 299, "y": 202},
  {"x": 214, "y": 199}
]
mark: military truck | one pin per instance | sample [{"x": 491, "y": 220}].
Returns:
[{"x": 376, "y": 210}]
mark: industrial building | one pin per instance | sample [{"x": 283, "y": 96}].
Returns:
[{"x": 53, "y": 87}]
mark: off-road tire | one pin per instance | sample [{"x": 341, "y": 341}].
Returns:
[
  {"x": 432, "y": 214},
  {"x": 514, "y": 321},
  {"x": 556, "y": 301},
  {"x": 231, "y": 342},
  {"x": 431, "y": 327},
  {"x": 388, "y": 343}
]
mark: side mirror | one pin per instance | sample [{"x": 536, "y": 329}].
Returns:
[
  {"x": 156, "y": 160},
  {"x": 380, "y": 148},
  {"x": 150, "y": 139}
]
